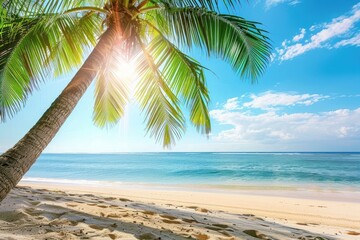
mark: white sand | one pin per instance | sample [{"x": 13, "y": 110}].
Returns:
[{"x": 50, "y": 211}]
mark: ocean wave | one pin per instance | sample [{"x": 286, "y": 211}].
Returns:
[
  {"x": 68, "y": 181},
  {"x": 259, "y": 153}
]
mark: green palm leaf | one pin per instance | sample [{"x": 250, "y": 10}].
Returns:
[
  {"x": 11, "y": 32},
  {"x": 186, "y": 77},
  {"x": 232, "y": 38},
  {"x": 164, "y": 118},
  {"x": 76, "y": 36},
  {"x": 16, "y": 83},
  {"x": 38, "y": 51},
  {"x": 111, "y": 90},
  {"x": 209, "y": 4},
  {"x": 30, "y": 8}
]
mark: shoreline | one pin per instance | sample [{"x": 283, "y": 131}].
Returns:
[
  {"x": 244, "y": 214},
  {"x": 329, "y": 208},
  {"x": 309, "y": 191}
]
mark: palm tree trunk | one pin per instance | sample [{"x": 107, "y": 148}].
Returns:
[{"x": 17, "y": 161}]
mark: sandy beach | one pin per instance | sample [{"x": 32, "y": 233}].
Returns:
[
  {"x": 54, "y": 211},
  {"x": 179, "y": 120}
]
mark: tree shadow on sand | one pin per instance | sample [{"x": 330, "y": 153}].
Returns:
[{"x": 59, "y": 215}]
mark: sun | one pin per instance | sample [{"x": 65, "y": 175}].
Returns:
[{"x": 126, "y": 70}]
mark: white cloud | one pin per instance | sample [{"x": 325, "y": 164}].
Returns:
[
  {"x": 272, "y": 57},
  {"x": 272, "y": 3},
  {"x": 270, "y": 100},
  {"x": 313, "y": 28},
  {"x": 271, "y": 127},
  {"x": 231, "y": 104},
  {"x": 354, "y": 41},
  {"x": 338, "y": 27},
  {"x": 300, "y": 36}
]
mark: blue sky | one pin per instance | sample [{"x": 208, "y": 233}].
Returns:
[{"x": 308, "y": 99}]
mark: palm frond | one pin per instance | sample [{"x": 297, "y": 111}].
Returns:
[
  {"x": 186, "y": 77},
  {"x": 10, "y": 34},
  {"x": 15, "y": 82},
  {"x": 209, "y": 4},
  {"x": 111, "y": 90},
  {"x": 76, "y": 35},
  {"x": 234, "y": 39},
  {"x": 164, "y": 118},
  {"x": 31, "y": 59},
  {"x": 30, "y": 8}
]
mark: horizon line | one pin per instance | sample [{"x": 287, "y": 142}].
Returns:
[{"x": 134, "y": 152}]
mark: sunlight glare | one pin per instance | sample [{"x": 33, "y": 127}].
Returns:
[{"x": 126, "y": 70}]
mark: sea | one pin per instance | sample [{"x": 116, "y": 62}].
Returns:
[{"x": 222, "y": 170}]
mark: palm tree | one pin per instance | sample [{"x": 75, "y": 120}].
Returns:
[{"x": 44, "y": 37}]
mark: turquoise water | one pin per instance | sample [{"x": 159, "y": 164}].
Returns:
[{"x": 329, "y": 169}]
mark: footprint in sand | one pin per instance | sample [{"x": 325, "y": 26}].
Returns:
[
  {"x": 168, "y": 217},
  {"x": 193, "y": 207},
  {"x": 312, "y": 238},
  {"x": 201, "y": 236},
  {"x": 102, "y": 206},
  {"x": 220, "y": 225},
  {"x": 171, "y": 221},
  {"x": 112, "y": 236},
  {"x": 88, "y": 195},
  {"x": 113, "y": 215},
  {"x": 147, "y": 236},
  {"x": 35, "y": 203},
  {"x": 221, "y": 229},
  {"x": 125, "y": 200},
  {"x": 248, "y": 215},
  {"x": 187, "y": 220},
  {"x": 71, "y": 205},
  {"x": 110, "y": 198},
  {"x": 73, "y": 223},
  {"x": 97, "y": 227},
  {"x": 226, "y": 234},
  {"x": 149, "y": 213},
  {"x": 256, "y": 234},
  {"x": 203, "y": 210}
]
